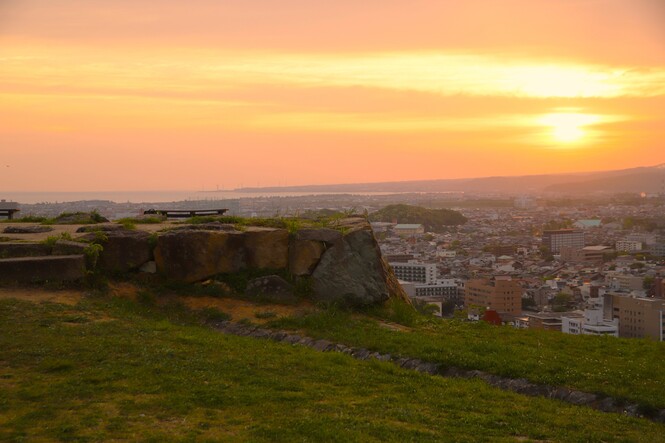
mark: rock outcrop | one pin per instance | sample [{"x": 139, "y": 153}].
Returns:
[
  {"x": 336, "y": 266},
  {"x": 306, "y": 248},
  {"x": 191, "y": 255},
  {"x": 353, "y": 272},
  {"x": 124, "y": 250}
]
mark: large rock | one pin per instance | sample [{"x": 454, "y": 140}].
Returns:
[
  {"x": 17, "y": 249},
  {"x": 267, "y": 248},
  {"x": 102, "y": 227},
  {"x": 352, "y": 272},
  {"x": 124, "y": 250},
  {"x": 304, "y": 255},
  {"x": 323, "y": 235},
  {"x": 27, "y": 229},
  {"x": 306, "y": 248},
  {"x": 190, "y": 255},
  {"x": 38, "y": 269}
]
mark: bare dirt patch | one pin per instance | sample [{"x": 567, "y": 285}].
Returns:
[
  {"x": 244, "y": 309},
  {"x": 38, "y": 295}
]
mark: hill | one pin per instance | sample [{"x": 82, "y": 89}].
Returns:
[
  {"x": 108, "y": 368},
  {"x": 434, "y": 220},
  {"x": 650, "y": 179}
]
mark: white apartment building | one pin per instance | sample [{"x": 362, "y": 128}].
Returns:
[{"x": 415, "y": 271}]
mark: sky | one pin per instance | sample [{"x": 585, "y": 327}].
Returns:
[{"x": 171, "y": 95}]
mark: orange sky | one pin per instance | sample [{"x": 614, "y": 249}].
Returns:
[{"x": 148, "y": 95}]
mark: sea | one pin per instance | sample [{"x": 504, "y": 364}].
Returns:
[{"x": 154, "y": 196}]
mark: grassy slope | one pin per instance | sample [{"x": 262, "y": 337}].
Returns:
[
  {"x": 624, "y": 368},
  {"x": 112, "y": 369}
]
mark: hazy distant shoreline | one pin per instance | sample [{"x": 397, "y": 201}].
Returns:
[{"x": 156, "y": 196}]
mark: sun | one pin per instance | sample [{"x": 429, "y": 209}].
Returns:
[{"x": 567, "y": 127}]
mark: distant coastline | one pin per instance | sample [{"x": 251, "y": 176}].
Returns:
[{"x": 157, "y": 196}]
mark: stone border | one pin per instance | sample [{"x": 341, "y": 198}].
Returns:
[{"x": 517, "y": 385}]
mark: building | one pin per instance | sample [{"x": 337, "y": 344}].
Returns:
[
  {"x": 555, "y": 239},
  {"x": 628, "y": 246},
  {"x": 624, "y": 282},
  {"x": 587, "y": 254},
  {"x": 408, "y": 229},
  {"x": 547, "y": 321},
  {"x": 414, "y": 271},
  {"x": 503, "y": 295},
  {"x": 592, "y": 323},
  {"x": 446, "y": 288},
  {"x": 638, "y": 317}
]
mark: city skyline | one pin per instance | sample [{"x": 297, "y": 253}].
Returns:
[{"x": 156, "y": 95}]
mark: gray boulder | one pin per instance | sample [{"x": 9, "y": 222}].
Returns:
[
  {"x": 351, "y": 272},
  {"x": 27, "y": 229}
]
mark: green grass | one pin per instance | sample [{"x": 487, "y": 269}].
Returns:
[
  {"x": 292, "y": 224},
  {"x": 110, "y": 369},
  {"x": 627, "y": 369}
]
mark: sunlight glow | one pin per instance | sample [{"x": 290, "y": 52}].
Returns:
[{"x": 568, "y": 127}]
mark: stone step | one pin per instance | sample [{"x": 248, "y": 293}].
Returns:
[
  {"x": 20, "y": 249},
  {"x": 38, "y": 269}
]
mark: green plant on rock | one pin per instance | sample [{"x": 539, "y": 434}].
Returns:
[{"x": 92, "y": 253}]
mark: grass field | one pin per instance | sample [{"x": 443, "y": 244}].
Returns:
[
  {"x": 627, "y": 369},
  {"x": 109, "y": 368}
]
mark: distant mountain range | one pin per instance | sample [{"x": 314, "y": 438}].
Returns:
[{"x": 649, "y": 179}]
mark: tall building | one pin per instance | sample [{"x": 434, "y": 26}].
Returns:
[
  {"x": 414, "y": 271},
  {"x": 639, "y": 317},
  {"x": 503, "y": 295},
  {"x": 555, "y": 239}
]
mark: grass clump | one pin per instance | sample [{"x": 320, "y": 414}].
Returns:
[
  {"x": 51, "y": 240},
  {"x": 142, "y": 373}
]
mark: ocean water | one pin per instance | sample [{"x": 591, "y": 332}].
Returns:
[{"x": 154, "y": 196}]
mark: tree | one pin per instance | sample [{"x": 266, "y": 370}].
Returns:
[{"x": 561, "y": 302}]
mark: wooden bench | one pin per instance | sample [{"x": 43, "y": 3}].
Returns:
[
  {"x": 185, "y": 213},
  {"x": 9, "y": 213}
]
